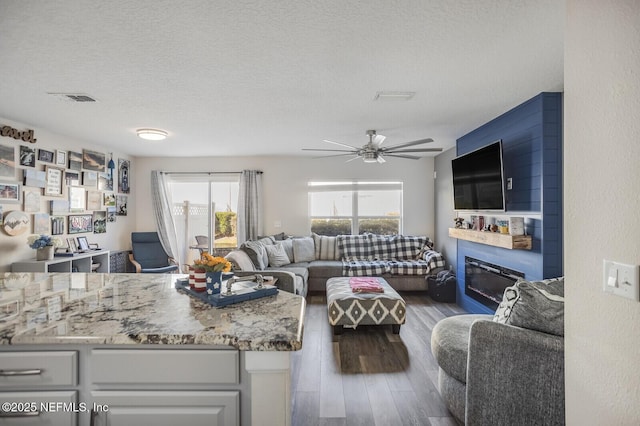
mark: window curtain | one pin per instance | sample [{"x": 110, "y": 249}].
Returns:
[
  {"x": 250, "y": 206},
  {"x": 161, "y": 200}
]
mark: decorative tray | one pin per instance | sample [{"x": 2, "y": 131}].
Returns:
[{"x": 242, "y": 291}]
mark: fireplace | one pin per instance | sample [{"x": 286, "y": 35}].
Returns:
[{"x": 485, "y": 282}]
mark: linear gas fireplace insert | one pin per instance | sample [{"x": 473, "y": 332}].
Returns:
[{"x": 485, "y": 282}]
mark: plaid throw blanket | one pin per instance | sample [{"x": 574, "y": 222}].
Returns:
[{"x": 371, "y": 255}]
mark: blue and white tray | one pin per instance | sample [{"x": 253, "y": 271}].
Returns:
[{"x": 242, "y": 291}]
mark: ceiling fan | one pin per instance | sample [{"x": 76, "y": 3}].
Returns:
[{"x": 374, "y": 152}]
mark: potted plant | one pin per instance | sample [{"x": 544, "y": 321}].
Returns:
[
  {"x": 212, "y": 267},
  {"x": 44, "y": 245}
]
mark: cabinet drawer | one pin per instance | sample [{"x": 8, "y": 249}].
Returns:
[
  {"x": 168, "y": 408},
  {"x": 158, "y": 366},
  {"x": 38, "y": 369},
  {"x": 41, "y": 408}
]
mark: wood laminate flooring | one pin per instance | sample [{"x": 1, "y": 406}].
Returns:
[{"x": 369, "y": 376}]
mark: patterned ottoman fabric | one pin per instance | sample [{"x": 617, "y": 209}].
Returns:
[{"x": 346, "y": 308}]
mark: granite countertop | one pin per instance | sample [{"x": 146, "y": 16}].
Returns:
[{"x": 130, "y": 309}]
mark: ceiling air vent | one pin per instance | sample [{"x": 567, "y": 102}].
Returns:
[{"x": 74, "y": 97}]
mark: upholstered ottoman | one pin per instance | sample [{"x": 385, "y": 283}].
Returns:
[{"x": 346, "y": 308}]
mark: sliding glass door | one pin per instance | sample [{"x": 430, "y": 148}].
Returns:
[{"x": 204, "y": 211}]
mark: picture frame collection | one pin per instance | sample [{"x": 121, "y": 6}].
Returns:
[{"x": 76, "y": 189}]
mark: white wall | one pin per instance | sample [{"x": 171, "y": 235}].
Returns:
[
  {"x": 602, "y": 201},
  {"x": 15, "y": 248},
  {"x": 285, "y": 186},
  {"x": 444, "y": 207}
]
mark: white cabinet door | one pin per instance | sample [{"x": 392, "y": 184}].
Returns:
[
  {"x": 39, "y": 408},
  {"x": 166, "y": 408},
  {"x": 20, "y": 370}
]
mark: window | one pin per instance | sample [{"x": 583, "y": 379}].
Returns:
[
  {"x": 355, "y": 207},
  {"x": 205, "y": 206}
]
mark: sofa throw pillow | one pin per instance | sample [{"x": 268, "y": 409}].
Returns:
[
  {"x": 288, "y": 247},
  {"x": 303, "y": 249},
  {"x": 383, "y": 247},
  {"x": 355, "y": 247},
  {"x": 326, "y": 247},
  {"x": 409, "y": 247},
  {"x": 256, "y": 252},
  {"x": 277, "y": 255},
  {"x": 535, "y": 305},
  {"x": 275, "y": 237}
]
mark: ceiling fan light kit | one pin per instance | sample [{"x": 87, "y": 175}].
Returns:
[{"x": 374, "y": 152}]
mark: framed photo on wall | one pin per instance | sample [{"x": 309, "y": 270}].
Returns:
[
  {"x": 100, "y": 222},
  {"x": 94, "y": 200},
  {"x": 54, "y": 182},
  {"x": 80, "y": 223},
  {"x": 57, "y": 225},
  {"x": 27, "y": 156},
  {"x": 61, "y": 158},
  {"x": 93, "y": 160},
  {"x": 77, "y": 198},
  {"x": 41, "y": 223},
  {"x": 90, "y": 179},
  {"x": 31, "y": 200},
  {"x": 9, "y": 192},
  {"x": 35, "y": 178},
  {"x": 75, "y": 160},
  {"x": 45, "y": 156},
  {"x": 72, "y": 178},
  {"x": 7, "y": 161},
  {"x": 123, "y": 176},
  {"x": 121, "y": 205}
]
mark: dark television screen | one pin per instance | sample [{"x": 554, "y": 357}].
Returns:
[{"x": 477, "y": 179}]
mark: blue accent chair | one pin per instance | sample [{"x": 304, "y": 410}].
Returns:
[{"x": 148, "y": 255}]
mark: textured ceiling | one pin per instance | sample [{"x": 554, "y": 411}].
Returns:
[{"x": 269, "y": 78}]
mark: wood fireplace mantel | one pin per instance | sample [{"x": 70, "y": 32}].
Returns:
[{"x": 511, "y": 242}]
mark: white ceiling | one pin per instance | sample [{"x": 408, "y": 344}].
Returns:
[{"x": 251, "y": 77}]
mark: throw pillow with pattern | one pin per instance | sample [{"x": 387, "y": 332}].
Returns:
[{"x": 535, "y": 305}]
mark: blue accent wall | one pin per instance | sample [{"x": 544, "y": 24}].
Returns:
[{"x": 531, "y": 136}]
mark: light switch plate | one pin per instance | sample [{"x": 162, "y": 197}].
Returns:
[{"x": 620, "y": 279}]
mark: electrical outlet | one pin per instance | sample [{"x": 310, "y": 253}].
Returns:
[
  {"x": 620, "y": 279},
  {"x": 509, "y": 184}
]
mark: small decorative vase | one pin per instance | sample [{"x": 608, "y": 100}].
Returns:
[
  {"x": 214, "y": 282},
  {"x": 192, "y": 278},
  {"x": 44, "y": 253},
  {"x": 199, "y": 280}
]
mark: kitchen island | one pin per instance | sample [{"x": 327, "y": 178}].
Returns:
[{"x": 125, "y": 349}]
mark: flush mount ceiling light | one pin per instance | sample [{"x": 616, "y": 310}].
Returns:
[
  {"x": 152, "y": 134},
  {"x": 393, "y": 96}
]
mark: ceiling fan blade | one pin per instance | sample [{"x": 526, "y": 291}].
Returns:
[
  {"x": 336, "y": 155},
  {"x": 341, "y": 144},
  {"x": 354, "y": 158},
  {"x": 411, "y": 157},
  {"x": 413, "y": 150},
  {"x": 380, "y": 159},
  {"x": 402, "y": 145},
  {"x": 328, "y": 150},
  {"x": 378, "y": 139}
]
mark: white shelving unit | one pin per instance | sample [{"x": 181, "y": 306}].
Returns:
[{"x": 80, "y": 262}]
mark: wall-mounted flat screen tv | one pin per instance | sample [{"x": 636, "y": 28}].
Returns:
[{"x": 478, "y": 179}]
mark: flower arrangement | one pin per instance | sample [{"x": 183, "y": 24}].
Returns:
[
  {"x": 212, "y": 263},
  {"x": 41, "y": 241}
]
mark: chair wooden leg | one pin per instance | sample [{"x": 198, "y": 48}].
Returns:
[
  {"x": 337, "y": 330},
  {"x": 395, "y": 328}
]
